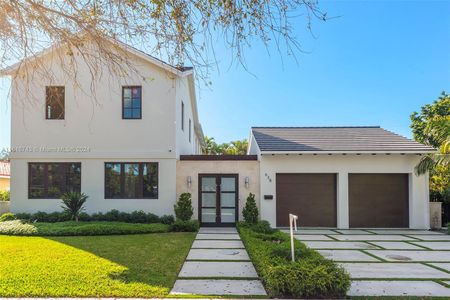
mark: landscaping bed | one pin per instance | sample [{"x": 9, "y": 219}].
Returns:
[
  {"x": 144, "y": 265},
  {"x": 71, "y": 228},
  {"x": 310, "y": 276}
]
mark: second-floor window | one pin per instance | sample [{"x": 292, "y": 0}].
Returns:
[
  {"x": 182, "y": 115},
  {"x": 190, "y": 130},
  {"x": 131, "y": 102},
  {"x": 54, "y": 103}
]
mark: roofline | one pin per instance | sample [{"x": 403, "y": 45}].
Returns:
[
  {"x": 5, "y": 176},
  {"x": 307, "y": 127},
  {"x": 8, "y": 71},
  {"x": 349, "y": 152}
]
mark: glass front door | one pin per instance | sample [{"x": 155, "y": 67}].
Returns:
[{"x": 218, "y": 200}]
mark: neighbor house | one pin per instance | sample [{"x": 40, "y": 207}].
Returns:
[
  {"x": 4, "y": 176},
  {"x": 134, "y": 143}
]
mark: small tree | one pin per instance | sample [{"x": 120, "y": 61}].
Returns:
[
  {"x": 73, "y": 204},
  {"x": 183, "y": 208},
  {"x": 250, "y": 211}
]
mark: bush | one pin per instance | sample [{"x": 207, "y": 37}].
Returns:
[
  {"x": 167, "y": 219},
  {"x": 71, "y": 228},
  {"x": 250, "y": 211},
  {"x": 41, "y": 216},
  {"x": 23, "y": 216},
  {"x": 310, "y": 276},
  {"x": 262, "y": 227},
  {"x": 185, "y": 226},
  {"x": 4, "y": 195},
  {"x": 7, "y": 217},
  {"x": 73, "y": 204},
  {"x": 183, "y": 208}
]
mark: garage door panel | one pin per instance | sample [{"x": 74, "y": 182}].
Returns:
[
  {"x": 310, "y": 196},
  {"x": 378, "y": 200}
]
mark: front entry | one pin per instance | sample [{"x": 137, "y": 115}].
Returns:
[{"x": 218, "y": 199}]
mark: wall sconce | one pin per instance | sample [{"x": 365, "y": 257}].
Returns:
[
  {"x": 189, "y": 181},
  {"x": 247, "y": 181}
]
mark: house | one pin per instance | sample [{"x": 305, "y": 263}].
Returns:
[
  {"x": 4, "y": 176},
  {"x": 136, "y": 145}
]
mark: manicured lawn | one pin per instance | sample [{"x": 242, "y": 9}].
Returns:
[{"x": 144, "y": 265}]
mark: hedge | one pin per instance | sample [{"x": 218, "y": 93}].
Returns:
[
  {"x": 310, "y": 276},
  {"x": 70, "y": 228}
]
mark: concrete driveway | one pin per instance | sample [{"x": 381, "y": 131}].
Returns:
[{"x": 387, "y": 262}]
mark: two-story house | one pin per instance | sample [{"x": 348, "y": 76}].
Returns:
[{"x": 132, "y": 141}]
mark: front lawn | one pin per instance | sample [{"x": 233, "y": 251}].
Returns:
[{"x": 144, "y": 265}]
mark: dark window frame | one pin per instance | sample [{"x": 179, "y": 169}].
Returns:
[
  {"x": 45, "y": 179},
  {"x": 123, "y": 102},
  {"x": 182, "y": 115},
  {"x": 62, "y": 116},
  {"x": 140, "y": 178}
]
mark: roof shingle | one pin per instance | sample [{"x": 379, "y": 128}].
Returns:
[{"x": 334, "y": 139}]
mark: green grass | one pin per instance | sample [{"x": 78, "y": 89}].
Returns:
[
  {"x": 102, "y": 266},
  {"x": 70, "y": 228}
]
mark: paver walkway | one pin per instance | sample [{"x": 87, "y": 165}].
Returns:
[
  {"x": 386, "y": 262},
  {"x": 218, "y": 265}
]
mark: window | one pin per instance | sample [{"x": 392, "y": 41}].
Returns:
[
  {"x": 131, "y": 102},
  {"x": 190, "y": 130},
  {"x": 131, "y": 180},
  {"x": 182, "y": 115},
  {"x": 54, "y": 103},
  {"x": 51, "y": 180}
]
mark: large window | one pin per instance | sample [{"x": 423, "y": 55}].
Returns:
[
  {"x": 51, "y": 180},
  {"x": 131, "y": 180},
  {"x": 54, "y": 103},
  {"x": 132, "y": 102}
]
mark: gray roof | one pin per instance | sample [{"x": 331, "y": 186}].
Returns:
[{"x": 334, "y": 139}]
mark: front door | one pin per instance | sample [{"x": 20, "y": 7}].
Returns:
[{"x": 218, "y": 199}]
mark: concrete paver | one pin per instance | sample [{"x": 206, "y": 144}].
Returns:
[
  {"x": 372, "y": 237},
  {"x": 393, "y": 270},
  {"x": 217, "y": 230},
  {"x": 216, "y": 244},
  {"x": 435, "y": 245},
  {"x": 346, "y": 255},
  {"x": 398, "y": 288},
  {"x": 397, "y": 245},
  {"x": 213, "y": 269},
  {"x": 215, "y": 236},
  {"x": 411, "y": 255},
  {"x": 311, "y": 231},
  {"x": 218, "y": 287},
  {"x": 218, "y": 254},
  {"x": 353, "y": 231},
  {"x": 445, "y": 266},
  {"x": 403, "y": 231},
  {"x": 312, "y": 237},
  {"x": 338, "y": 245},
  {"x": 435, "y": 237}
]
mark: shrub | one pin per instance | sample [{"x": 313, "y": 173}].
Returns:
[
  {"x": 73, "y": 203},
  {"x": 262, "y": 227},
  {"x": 72, "y": 228},
  {"x": 41, "y": 216},
  {"x": 310, "y": 276},
  {"x": 4, "y": 195},
  {"x": 183, "y": 208},
  {"x": 7, "y": 217},
  {"x": 23, "y": 216},
  {"x": 185, "y": 226},
  {"x": 250, "y": 211},
  {"x": 167, "y": 219}
]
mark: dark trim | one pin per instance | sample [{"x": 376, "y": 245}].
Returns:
[
  {"x": 123, "y": 89},
  {"x": 218, "y": 192},
  {"x": 218, "y": 157},
  {"x": 122, "y": 180},
  {"x": 182, "y": 116}
]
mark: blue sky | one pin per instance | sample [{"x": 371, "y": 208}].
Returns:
[{"x": 373, "y": 65}]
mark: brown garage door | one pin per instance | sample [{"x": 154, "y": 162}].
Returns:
[
  {"x": 312, "y": 197},
  {"x": 378, "y": 200}
]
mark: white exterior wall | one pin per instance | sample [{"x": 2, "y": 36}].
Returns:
[
  {"x": 96, "y": 123},
  {"x": 183, "y": 96},
  {"x": 342, "y": 165}
]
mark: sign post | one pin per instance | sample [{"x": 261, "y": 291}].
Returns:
[{"x": 292, "y": 225}]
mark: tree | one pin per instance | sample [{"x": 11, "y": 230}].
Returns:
[
  {"x": 181, "y": 32},
  {"x": 73, "y": 204},
  {"x": 238, "y": 147},
  {"x": 432, "y": 127},
  {"x": 183, "y": 208},
  {"x": 250, "y": 211}
]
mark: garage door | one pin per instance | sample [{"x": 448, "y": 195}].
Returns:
[
  {"x": 378, "y": 200},
  {"x": 312, "y": 197}
]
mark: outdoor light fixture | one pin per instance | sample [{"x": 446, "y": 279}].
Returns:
[
  {"x": 247, "y": 181},
  {"x": 189, "y": 181}
]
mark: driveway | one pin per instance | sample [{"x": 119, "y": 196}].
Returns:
[{"x": 387, "y": 262}]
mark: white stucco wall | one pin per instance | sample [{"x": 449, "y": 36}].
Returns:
[
  {"x": 92, "y": 184},
  {"x": 342, "y": 165},
  {"x": 244, "y": 169}
]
